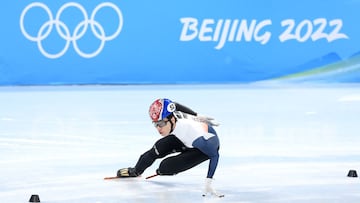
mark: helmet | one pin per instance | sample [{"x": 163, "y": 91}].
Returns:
[{"x": 160, "y": 109}]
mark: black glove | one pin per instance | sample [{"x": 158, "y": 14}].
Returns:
[{"x": 127, "y": 172}]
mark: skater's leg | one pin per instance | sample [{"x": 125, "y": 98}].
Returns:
[
  {"x": 182, "y": 162},
  {"x": 163, "y": 147}
]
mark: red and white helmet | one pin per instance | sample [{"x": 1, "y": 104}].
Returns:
[{"x": 160, "y": 109}]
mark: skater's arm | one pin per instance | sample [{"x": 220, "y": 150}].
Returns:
[{"x": 185, "y": 109}]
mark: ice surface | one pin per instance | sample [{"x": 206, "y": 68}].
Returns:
[{"x": 278, "y": 144}]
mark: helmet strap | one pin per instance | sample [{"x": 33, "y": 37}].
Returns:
[{"x": 172, "y": 124}]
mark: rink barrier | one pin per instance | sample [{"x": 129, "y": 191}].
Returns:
[{"x": 148, "y": 42}]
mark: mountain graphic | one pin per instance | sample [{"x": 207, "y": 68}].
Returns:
[{"x": 339, "y": 71}]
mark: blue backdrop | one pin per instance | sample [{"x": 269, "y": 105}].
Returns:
[{"x": 204, "y": 41}]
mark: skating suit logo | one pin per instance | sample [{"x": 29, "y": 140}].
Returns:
[{"x": 64, "y": 32}]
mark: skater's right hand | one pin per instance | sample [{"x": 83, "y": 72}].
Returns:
[{"x": 209, "y": 120}]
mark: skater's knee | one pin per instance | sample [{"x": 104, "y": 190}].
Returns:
[{"x": 166, "y": 168}]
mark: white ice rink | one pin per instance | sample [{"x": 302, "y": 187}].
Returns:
[{"x": 278, "y": 144}]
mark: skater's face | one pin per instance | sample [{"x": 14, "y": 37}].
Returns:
[{"x": 163, "y": 127}]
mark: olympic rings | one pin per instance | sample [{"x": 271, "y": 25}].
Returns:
[{"x": 64, "y": 31}]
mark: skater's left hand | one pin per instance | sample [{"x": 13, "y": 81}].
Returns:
[{"x": 209, "y": 190}]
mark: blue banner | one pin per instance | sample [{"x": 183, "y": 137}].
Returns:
[{"x": 154, "y": 42}]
